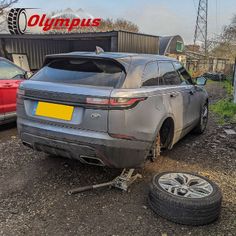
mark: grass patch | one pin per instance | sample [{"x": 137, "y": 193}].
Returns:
[
  {"x": 209, "y": 81},
  {"x": 227, "y": 84},
  {"x": 226, "y": 110}
]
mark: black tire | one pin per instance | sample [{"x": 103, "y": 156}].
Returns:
[
  {"x": 183, "y": 210},
  {"x": 201, "y": 126},
  {"x": 13, "y": 21}
]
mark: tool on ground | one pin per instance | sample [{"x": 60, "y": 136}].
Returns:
[{"x": 123, "y": 181}]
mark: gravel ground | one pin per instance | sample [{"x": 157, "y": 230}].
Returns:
[{"x": 34, "y": 200}]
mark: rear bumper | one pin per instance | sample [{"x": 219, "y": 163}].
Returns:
[
  {"x": 83, "y": 145},
  {"x": 7, "y": 117}
]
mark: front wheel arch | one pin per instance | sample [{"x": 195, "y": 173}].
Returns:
[{"x": 167, "y": 132}]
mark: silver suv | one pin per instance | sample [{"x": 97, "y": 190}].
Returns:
[{"x": 112, "y": 109}]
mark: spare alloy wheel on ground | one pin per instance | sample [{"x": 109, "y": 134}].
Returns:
[{"x": 185, "y": 198}]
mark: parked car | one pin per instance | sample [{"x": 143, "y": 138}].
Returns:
[
  {"x": 112, "y": 109},
  {"x": 216, "y": 76},
  {"x": 10, "y": 77}
]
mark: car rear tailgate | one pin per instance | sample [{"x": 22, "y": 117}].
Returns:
[{"x": 83, "y": 115}]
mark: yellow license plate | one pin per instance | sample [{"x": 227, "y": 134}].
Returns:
[{"x": 56, "y": 111}]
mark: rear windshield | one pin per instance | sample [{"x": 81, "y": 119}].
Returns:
[{"x": 93, "y": 72}]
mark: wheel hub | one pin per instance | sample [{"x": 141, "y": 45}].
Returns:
[
  {"x": 185, "y": 185},
  {"x": 183, "y": 190}
]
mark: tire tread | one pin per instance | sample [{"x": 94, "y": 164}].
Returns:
[{"x": 185, "y": 210}]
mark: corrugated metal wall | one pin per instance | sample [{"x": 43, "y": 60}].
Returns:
[
  {"x": 137, "y": 43},
  {"x": 172, "y": 46},
  {"x": 37, "y": 46},
  {"x": 89, "y": 44},
  {"x": 36, "y": 49}
]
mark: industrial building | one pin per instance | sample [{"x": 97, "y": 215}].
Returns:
[{"x": 29, "y": 50}]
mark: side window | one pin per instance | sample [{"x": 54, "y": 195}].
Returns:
[
  {"x": 150, "y": 74},
  {"x": 168, "y": 73},
  {"x": 184, "y": 75},
  {"x": 9, "y": 71}
]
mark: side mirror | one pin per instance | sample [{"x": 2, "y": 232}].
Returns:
[
  {"x": 201, "y": 81},
  {"x": 19, "y": 77},
  {"x": 28, "y": 74}
]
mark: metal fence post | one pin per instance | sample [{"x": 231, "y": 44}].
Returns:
[{"x": 234, "y": 81}]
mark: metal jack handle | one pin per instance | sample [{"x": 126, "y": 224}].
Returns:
[{"x": 123, "y": 181}]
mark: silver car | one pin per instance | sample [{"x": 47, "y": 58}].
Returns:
[{"x": 112, "y": 109}]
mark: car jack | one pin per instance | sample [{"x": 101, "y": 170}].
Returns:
[{"x": 123, "y": 181}]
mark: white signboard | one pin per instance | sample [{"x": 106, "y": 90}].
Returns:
[{"x": 21, "y": 60}]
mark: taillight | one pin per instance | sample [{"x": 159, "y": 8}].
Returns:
[
  {"x": 114, "y": 102},
  {"x": 97, "y": 101},
  {"x": 124, "y": 101}
]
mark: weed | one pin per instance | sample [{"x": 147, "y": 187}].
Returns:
[{"x": 226, "y": 110}]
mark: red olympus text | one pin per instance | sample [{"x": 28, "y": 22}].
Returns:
[{"x": 61, "y": 23}]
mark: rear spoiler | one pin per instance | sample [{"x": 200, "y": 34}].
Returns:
[{"x": 50, "y": 58}]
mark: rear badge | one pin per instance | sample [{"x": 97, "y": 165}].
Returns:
[{"x": 95, "y": 115}]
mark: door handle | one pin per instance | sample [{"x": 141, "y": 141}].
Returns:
[
  {"x": 191, "y": 92},
  {"x": 173, "y": 95}
]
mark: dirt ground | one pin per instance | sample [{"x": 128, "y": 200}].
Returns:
[{"x": 34, "y": 200}]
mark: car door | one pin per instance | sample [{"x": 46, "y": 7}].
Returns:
[
  {"x": 10, "y": 78},
  {"x": 175, "y": 97},
  {"x": 144, "y": 115},
  {"x": 193, "y": 105},
  {"x": 1, "y": 104}
]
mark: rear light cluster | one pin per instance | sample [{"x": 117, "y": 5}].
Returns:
[
  {"x": 114, "y": 102},
  {"x": 102, "y": 102}
]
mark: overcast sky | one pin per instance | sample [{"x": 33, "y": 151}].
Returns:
[{"x": 158, "y": 17}]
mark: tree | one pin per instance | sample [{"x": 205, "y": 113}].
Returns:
[
  {"x": 106, "y": 25},
  {"x": 229, "y": 35},
  {"x": 225, "y": 44},
  {"x": 118, "y": 24},
  {"x": 229, "y": 32},
  {"x": 4, "y": 6}
]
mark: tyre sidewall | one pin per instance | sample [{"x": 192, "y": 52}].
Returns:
[
  {"x": 199, "y": 129},
  {"x": 204, "y": 128},
  {"x": 205, "y": 201}
]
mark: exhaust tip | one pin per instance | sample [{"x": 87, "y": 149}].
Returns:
[
  {"x": 27, "y": 144},
  {"x": 91, "y": 160}
]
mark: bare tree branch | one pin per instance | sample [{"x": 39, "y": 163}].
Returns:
[
  {"x": 4, "y": 7},
  {"x": 224, "y": 45},
  {"x": 118, "y": 24},
  {"x": 4, "y": 4},
  {"x": 106, "y": 25}
]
